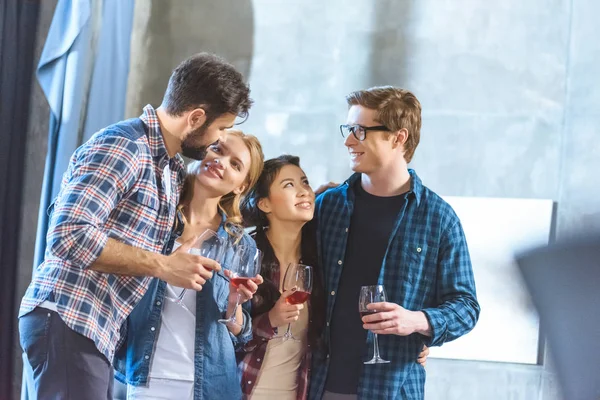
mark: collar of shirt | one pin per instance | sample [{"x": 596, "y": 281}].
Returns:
[
  {"x": 416, "y": 186},
  {"x": 157, "y": 142}
]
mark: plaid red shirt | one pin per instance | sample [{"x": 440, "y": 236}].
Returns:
[
  {"x": 250, "y": 365},
  {"x": 114, "y": 187}
]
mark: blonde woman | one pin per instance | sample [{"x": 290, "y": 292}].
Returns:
[{"x": 183, "y": 352}]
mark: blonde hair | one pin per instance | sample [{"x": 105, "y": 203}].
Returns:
[
  {"x": 229, "y": 203},
  {"x": 396, "y": 108}
]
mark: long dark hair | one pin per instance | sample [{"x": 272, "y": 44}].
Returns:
[{"x": 268, "y": 293}]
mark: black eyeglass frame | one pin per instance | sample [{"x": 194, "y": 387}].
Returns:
[{"x": 352, "y": 129}]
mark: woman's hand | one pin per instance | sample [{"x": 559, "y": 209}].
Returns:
[
  {"x": 245, "y": 293},
  {"x": 246, "y": 290},
  {"x": 283, "y": 313},
  {"x": 422, "y": 358}
]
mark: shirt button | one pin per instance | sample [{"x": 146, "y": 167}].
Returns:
[
  {"x": 147, "y": 357},
  {"x": 346, "y": 230},
  {"x": 158, "y": 303},
  {"x": 418, "y": 249},
  {"x": 327, "y": 355},
  {"x": 258, "y": 359},
  {"x": 249, "y": 382},
  {"x": 333, "y": 292},
  {"x": 340, "y": 262},
  {"x": 153, "y": 329},
  {"x": 327, "y": 323}
]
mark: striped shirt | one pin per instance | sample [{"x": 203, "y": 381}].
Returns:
[{"x": 120, "y": 184}]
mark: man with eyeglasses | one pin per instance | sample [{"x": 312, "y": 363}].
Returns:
[{"x": 384, "y": 227}]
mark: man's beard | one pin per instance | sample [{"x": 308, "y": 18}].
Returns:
[{"x": 190, "y": 149}]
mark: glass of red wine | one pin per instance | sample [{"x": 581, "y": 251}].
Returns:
[
  {"x": 368, "y": 295},
  {"x": 208, "y": 245},
  {"x": 297, "y": 276},
  {"x": 244, "y": 264}
]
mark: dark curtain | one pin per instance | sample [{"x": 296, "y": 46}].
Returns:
[{"x": 18, "y": 25}]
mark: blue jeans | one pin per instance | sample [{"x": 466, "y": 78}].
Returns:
[{"x": 64, "y": 364}]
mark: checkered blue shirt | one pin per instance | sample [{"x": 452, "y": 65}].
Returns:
[
  {"x": 426, "y": 267},
  {"x": 115, "y": 186}
]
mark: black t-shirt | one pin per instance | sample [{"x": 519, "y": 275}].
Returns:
[{"x": 371, "y": 225}]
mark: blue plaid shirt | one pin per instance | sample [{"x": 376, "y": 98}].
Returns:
[
  {"x": 426, "y": 268},
  {"x": 116, "y": 186}
]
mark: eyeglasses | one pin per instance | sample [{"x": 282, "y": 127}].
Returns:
[{"x": 359, "y": 131}]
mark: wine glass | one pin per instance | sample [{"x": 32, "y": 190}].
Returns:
[
  {"x": 208, "y": 245},
  {"x": 244, "y": 264},
  {"x": 297, "y": 276},
  {"x": 368, "y": 295}
]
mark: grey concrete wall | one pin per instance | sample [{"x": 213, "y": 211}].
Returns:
[
  {"x": 166, "y": 32},
  {"x": 579, "y": 189}
]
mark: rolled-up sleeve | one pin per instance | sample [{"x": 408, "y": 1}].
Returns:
[
  {"x": 458, "y": 311},
  {"x": 99, "y": 174}
]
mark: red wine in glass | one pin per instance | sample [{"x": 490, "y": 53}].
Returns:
[
  {"x": 364, "y": 313},
  {"x": 297, "y": 276},
  {"x": 367, "y": 312},
  {"x": 237, "y": 281},
  {"x": 245, "y": 264},
  {"x": 298, "y": 297},
  {"x": 368, "y": 295}
]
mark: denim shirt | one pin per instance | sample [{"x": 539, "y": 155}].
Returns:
[{"x": 215, "y": 367}]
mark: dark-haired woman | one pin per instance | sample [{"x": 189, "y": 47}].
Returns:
[{"x": 281, "y": 206}]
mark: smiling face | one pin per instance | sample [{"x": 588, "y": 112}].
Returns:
[
  {"x": 291, "y": 199},
  {"x": 378, "y": 150},
  {"x": 225, "y": 167}
]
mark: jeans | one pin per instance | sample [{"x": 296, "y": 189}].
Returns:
[{"x": 63, "y": 363}]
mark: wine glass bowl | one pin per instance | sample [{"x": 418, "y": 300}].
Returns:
[
  {"x": 368, "y": 295},
  {"x": 300, "y": 278},
  {"x": 208, "y": 245},
  {"x": 244, "y": 264}
]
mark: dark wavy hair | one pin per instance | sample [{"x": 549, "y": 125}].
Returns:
[
  {"x": 208, "y": 81},
  {"x": 268, "y": 293}
]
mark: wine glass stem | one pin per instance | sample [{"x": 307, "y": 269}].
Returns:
[
  {"x": 288, "y": 332},
  {"x": 180, "y": 297},
  {"x": 237, "y": 303},
  {"x": 376, "y": 350}
]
